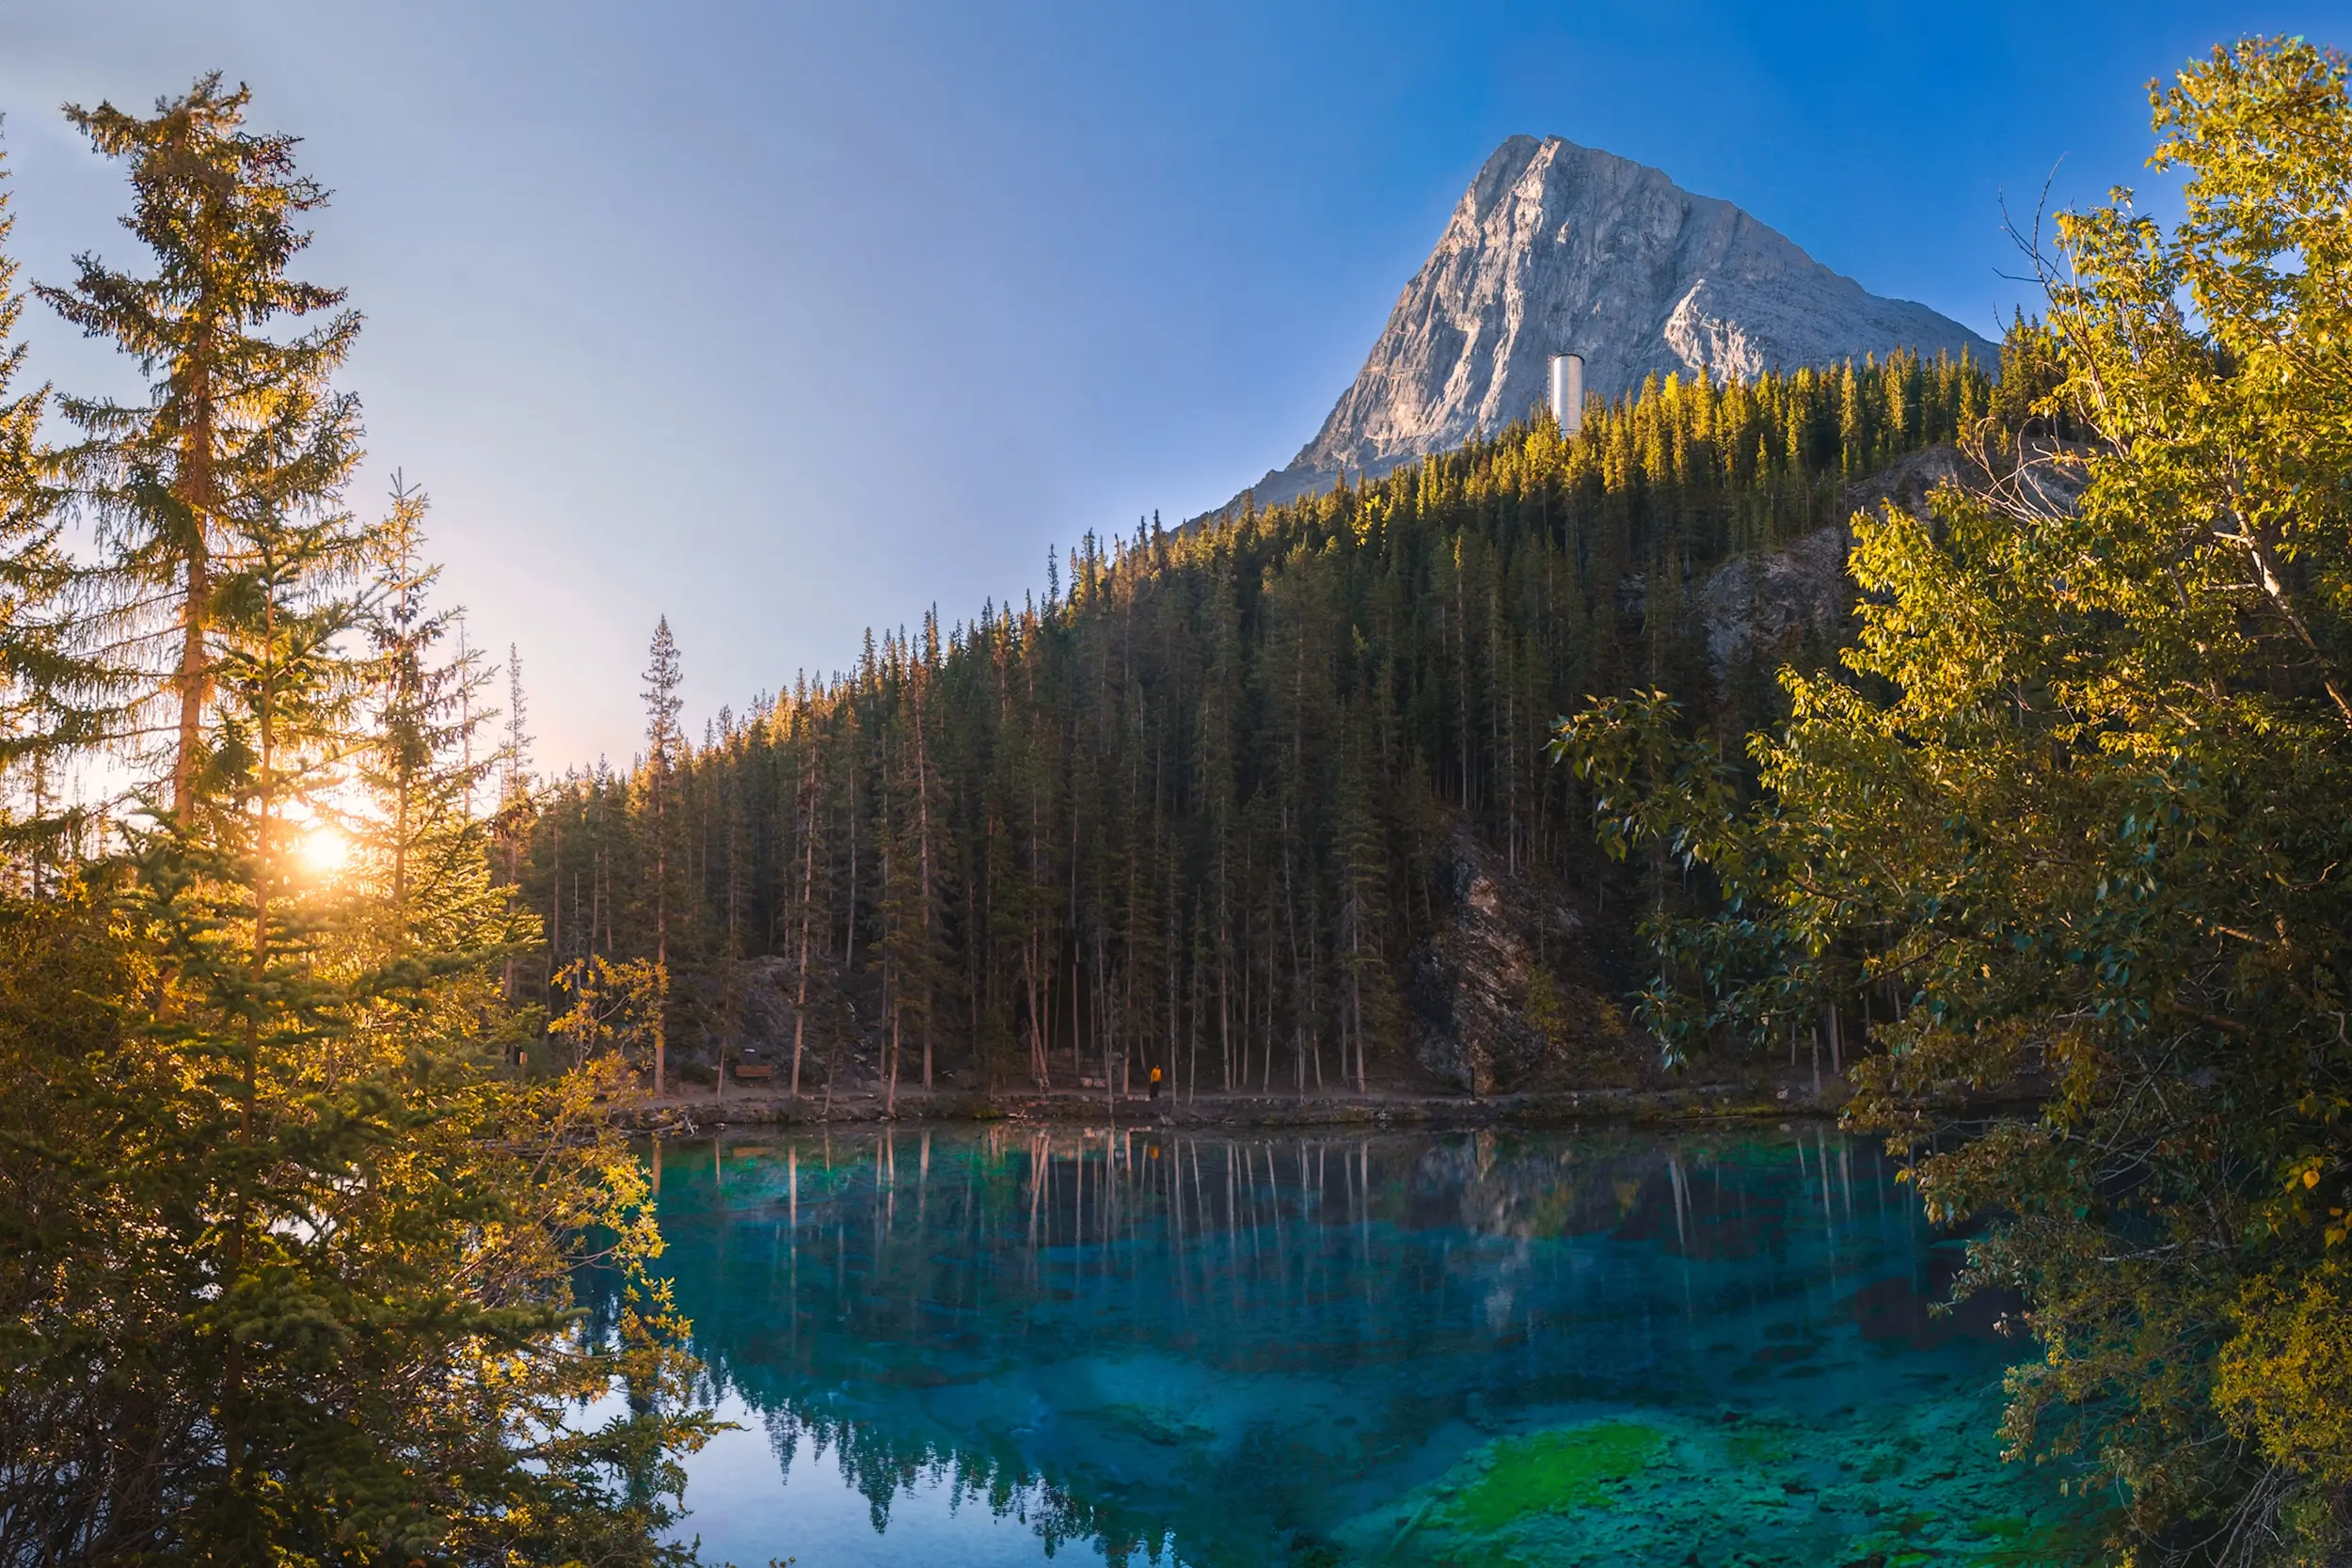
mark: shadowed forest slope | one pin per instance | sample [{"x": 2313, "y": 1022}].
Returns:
[{"x": 1262, "y": 802}]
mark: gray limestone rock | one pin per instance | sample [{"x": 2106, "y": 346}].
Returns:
[
  {"x": 1501, "y": 996},
  {"x": 1559, "y": 248},
  {"x": 1756, "y": 607}
]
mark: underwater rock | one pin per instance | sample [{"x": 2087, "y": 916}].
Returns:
[{"x": 1769, "y": 1490}]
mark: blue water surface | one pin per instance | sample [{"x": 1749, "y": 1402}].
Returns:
[{"x": 1015, "y": 1345}]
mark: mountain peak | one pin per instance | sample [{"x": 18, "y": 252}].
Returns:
[{"x": 1561, "y": 249}]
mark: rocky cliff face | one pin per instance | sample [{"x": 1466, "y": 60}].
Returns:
[
  {"x": 1503, "y": 995},
  {"x": 1758, "y": 607},
  {"x": 1559, "y": 248}
]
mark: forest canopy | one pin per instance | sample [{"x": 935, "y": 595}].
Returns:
[{"x": 1202, "y": 807}]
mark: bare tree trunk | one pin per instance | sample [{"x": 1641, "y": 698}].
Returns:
[
  {"x": 922, "y": 851},
  {"x": 1038, "y": 1071},
  {"x": 1461, "y": 671},
  {"x": 660, "y": 956},
  {"x": 1302, "y": 1004},
  {"x": 849, "y": 946},
  {"x": 195, "y": 676},
  {"x": 808, "y": 903},
  {"x": 890, "y": 1095},
  {"x": 555, "y": 902}
]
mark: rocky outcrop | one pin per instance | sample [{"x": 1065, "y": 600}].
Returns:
[
  {"x": 1500, "y": 995},
  {"x": 1758, "y": 607},
  {"x": 1561, "y": 249}
]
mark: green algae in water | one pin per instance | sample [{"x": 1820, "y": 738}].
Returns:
[
  {"x": 1167, "y": 1429},
  {"x": 1760, "y": 1443},
  {"x": 1747, "y": 1489},
  {"x": 1555, "y": 1470},
  {"x": 1031, "y": 1348}
]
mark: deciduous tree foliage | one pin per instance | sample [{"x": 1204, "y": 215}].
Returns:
[{"x": 2079, "y": 805}]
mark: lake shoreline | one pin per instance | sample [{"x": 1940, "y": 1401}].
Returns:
[{"x": 1727, "y": 1101}]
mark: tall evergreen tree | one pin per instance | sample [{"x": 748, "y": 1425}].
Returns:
[
  {"x": 289, "y": 1253},
  {"x": 36, "y": 669},
  {"x": 515, "y": 802},
  {"x": 1258, "y": 744},
  {"x": 240, "y": 428},
  {"x": 663, "y": 743},
  {"x": 417, "y": 754}
]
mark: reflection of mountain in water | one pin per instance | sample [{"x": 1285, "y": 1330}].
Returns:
[{"x": 1222, "y": 1348}]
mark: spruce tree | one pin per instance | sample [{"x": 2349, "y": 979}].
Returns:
[
  {"x": 1254, "y": 745},
  {"x": 515, "y": 802},
  {"x": 290, "y": 1261},
  {"x": 663, "y": 742},
  {"x": 39, "y": 676},
  {"x": 240, "y": 428},
  {"x": 430, "y": 847}
]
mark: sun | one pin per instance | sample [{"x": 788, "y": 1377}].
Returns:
[{"x": 323, "y": 851}]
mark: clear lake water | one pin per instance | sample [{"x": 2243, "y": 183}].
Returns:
[{"x": 1015, "y": 1345}]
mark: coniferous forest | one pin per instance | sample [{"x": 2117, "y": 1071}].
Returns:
[
  {"x": 1201, "y": 805},
  {"x": 2021, "y": 785}
]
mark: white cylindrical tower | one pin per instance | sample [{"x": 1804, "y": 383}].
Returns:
[{"x": 1567, "y": 392}]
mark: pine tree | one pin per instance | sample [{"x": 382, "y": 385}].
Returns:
[
  {"x": 433, "y": 851},
  {"x": 38, "y": 674},
  {"x": 515, "y": 800},
  {"x": 291, "y": 1257},
  {"x": 1224, "y": 762},
  {"x": 240, "y": 428},
  {"x": 663, "y": 744}
]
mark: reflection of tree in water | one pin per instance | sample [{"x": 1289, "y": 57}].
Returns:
[
  {"x": 1021, "y": 1317},
  {"x": 882, "y": 1468}
]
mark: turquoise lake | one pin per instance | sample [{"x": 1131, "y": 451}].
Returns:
[{"x": 1013, "y": 1346}]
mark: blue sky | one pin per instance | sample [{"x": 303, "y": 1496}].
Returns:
[{"x": 784, "y": 320}]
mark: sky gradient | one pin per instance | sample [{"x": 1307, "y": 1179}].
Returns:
[{"x": 787, "y": 319}]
